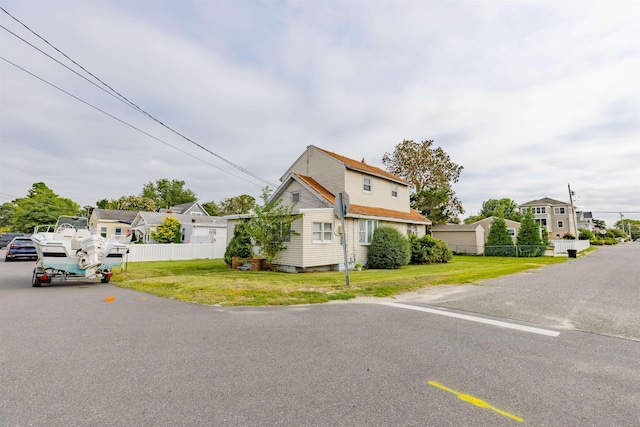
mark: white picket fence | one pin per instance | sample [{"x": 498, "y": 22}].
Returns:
[
  {"x": 171, "y": 251},
  {"x": 561, "y": 246}
]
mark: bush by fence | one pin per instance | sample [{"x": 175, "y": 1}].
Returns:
[
  {"x": 428, "y": 250},
  {"x": 515, "y": 250}
]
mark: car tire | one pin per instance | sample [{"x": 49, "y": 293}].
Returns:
[
  {"x": 35, "y": 281},
  {"x": 105, "y": 279}
]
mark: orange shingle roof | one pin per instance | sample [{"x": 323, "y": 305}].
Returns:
[
  {"x": 362, "y": 166},
  {"x": 412, "y": 215}
]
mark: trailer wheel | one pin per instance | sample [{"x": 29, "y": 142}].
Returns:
[{"x": 35, "y": 280}]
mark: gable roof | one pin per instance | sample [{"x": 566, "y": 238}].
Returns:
[
  {"x": 156, "y": 218},
  {"x": 184, "y": 207},
  {"x": 114, "y": 215},
  {"x": 545, "y": 201},
  {"x": 363, "y": 167},
  {"x": 356, "y": 210}
]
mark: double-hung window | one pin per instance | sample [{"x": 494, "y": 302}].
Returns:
[
  {"x": 322, "y": 232},
  {"x": 366, "y": 185},
  {"x": 366, "y": 227},
  {"x": 394, "y": 191},
  {"x": 103, "y": 231},
  {"x": 560, "y": 224},
  {"x": 559, "y": 211}
]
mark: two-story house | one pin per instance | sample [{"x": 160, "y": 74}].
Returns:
[
  {"x": 556, "y": 216},
  {"x": 376, "y": 198}
]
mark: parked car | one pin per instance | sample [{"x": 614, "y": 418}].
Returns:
[
  {"x": 5, "y": 238},
  {"x": 21, "y": 247}
]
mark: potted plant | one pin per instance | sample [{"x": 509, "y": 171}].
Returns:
[{"x": 358, "y": 266}]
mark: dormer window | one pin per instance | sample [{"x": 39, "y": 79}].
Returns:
[{"x": 366, "y": 185}]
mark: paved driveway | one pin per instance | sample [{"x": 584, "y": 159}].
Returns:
[{"x": 69, "y": 358}]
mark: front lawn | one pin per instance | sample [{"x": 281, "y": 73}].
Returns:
[{"x": 212, "y": 282}]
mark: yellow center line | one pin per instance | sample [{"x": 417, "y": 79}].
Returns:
[{"x": 474, "y": 400}]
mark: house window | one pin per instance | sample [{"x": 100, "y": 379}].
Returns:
[
  {"x": 295, "y": 197},
  {"x": 511, "y": 231},
  {"x": 366, "y": 227},
  {"x": 285, "y": 232},
  {"x": 540, "y": 210},
  {"x": 212, "y": 232},
  {"x": 182, "y": 232},
  {"x": 366, "y": 187},
  {"x": 322, "y": 232},
  {"x": 560, "y": 224},
  {"x": 103, "y": 231},
  {"x": 118, "y": 231},
  {"x": 412, "y": 229},
  {"x": 541, "y": 222},
  {"x": 559, "y": 211},
  {"x": 394, "y": 191}
]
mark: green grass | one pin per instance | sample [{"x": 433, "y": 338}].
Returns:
[{"x": 212, "y": 282}]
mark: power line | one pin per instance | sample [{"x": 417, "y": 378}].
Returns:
[
  {"x": 123, "y": 122},
  {"x": 240, "y": 168}
]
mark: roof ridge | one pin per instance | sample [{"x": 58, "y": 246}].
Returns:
[{"x": 362, "y": 166}]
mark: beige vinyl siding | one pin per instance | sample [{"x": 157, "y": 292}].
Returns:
[
  {"x": 380, "y": 195},
  {"x": 326, "y": 170},
  {"x": 486, "y": 224},
  {"x": 462, "y": 241},
  {"x": 307, "y": 199},
  {"x": 293, "y": 255},
  {"x": 320, "y": 254}
]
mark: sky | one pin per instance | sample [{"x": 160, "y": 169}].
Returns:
[{"x": 529, "y": 97}]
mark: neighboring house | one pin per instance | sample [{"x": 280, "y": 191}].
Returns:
[
  {"x": 376, "y": 198},
  {"x": 191, "y": 208},
  {"x": 470, "y": 238},
  {"x": 585, "y": 221},
  {"x": 112, "y": 223},
  {"x": 194, "y": 228},
  {"x": 556, "y": 216}
]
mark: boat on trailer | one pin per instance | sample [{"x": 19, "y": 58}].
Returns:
[{"x": 69, "y": 250}]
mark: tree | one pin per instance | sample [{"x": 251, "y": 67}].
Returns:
[
  {"x": 270, "y": 226},
  {"x": 6, "y": 215},
  {"x": 168, "y": 231},
  {"x": 241, "y": 204},
  {"x": 499, "y": 242},
  {"x": 492, "y": 207},
  {"x": 85, "y": 211},
  {"x": 428, "y": 170},
  {"x": 629, "y": 226},
  {"x": 440, "y": 205},
  {"x": 389, "y": 249},
  {"x": 213, "y": 209},
  {"x": 129, "y": 203},
  {"x": 167, "y": 193},
  {"x": 41, "y": 206},
  {"x": 239, "y": 245},
  {"x": 428, "y": 250},
  {"x": 529, "y": 241}
]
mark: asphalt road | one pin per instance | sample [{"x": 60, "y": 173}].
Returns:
[{"x": 69, "y": 358}]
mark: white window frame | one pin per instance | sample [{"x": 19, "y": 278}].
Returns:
[
  {"x": 559, "y": 211},
  {"x": 412, "y": 229},
  {"x": 103, "y": 231},
  {"x": 285, "y": 237},
  {"x": 367, "y": 182},
  {"x": 541, "y": 222},
  {"x": 394, "y": 191},
  {"x": 366, "y": 227},
  {"x": 322, "y": 232},
  {"x": 560, "y": 224},
  {"x": 118, "y": 231}
]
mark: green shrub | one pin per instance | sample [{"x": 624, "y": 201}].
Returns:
[
  {"x": 239, "y": 245},
  {"x": 531, "y": 250},
  {"x": 585, "y": 234},
  {"x": 499, "y": 241},
  {"x": 389, "y": 249},
  {"x": 428, "y": 250}
]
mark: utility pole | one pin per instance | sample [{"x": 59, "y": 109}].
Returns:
[{"x": 573, "y": 209}]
